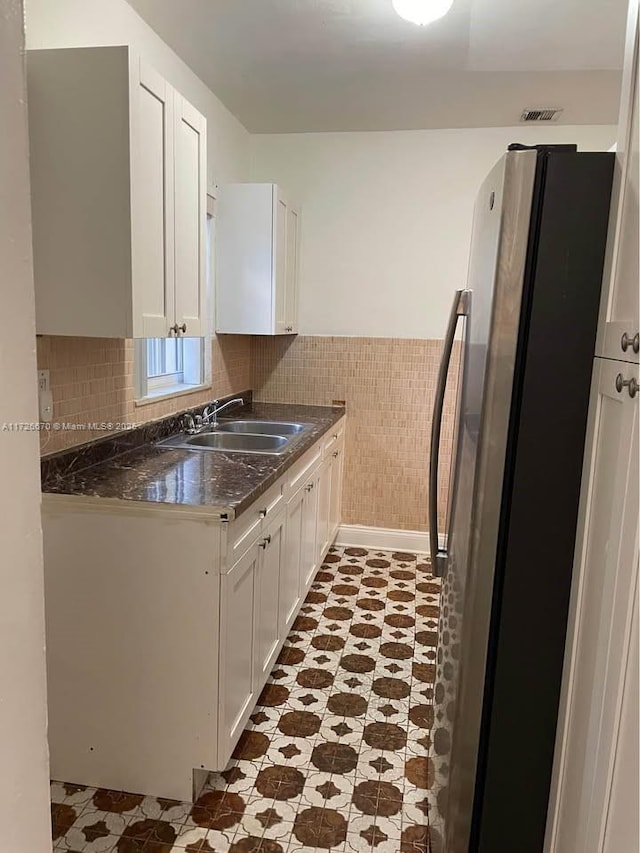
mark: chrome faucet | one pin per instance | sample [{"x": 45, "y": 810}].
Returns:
[
  {"x": 211, "y": 412},
  {"x": 192, "y": 423}
]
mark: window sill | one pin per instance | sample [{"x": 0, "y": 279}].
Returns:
[{"x": 169, "y": 392}]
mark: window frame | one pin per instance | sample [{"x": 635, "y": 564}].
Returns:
[
  {"x": 164, "y": 378},
  {"x": 196, "y": 366}
]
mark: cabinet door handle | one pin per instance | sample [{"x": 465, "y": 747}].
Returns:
[
  {"x": 309, "y": 487},
  {"x": 631, "y": 384},
  {"x": 182, "y": 328},
  {"x": 263, "y": 513},
  {"x": 266, "y": 541},
  {"x": 336, "y": 453},
  {"x": 173, "y": 329},
  {"x": 627, "y": 341},
  {"x": 288, "y": 329}
]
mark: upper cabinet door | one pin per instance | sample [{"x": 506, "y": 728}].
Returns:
[
  {"x": 152, "y": 202},
  {"x": 291, "y": 288},
  {"x": 619, "y": 323},
  {"x": 280, "y": 272},
  {"x": 190, "y": 176}
]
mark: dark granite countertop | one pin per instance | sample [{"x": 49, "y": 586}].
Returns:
[{"x": 212, "y": 482}]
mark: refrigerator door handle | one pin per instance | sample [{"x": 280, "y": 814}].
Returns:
[{"x": 460, "y": 308}]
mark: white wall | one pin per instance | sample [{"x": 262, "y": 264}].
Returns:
[
  {"x": 81, "y": 23},
  {"x": 24, "y": 763},
  {"x": 386, "y": 219}
]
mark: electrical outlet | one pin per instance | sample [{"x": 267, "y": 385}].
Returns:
[{"x": 45, "y": 397}]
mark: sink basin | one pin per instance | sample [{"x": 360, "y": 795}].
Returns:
[
  {"x": 229, "y": 442},
  {"x": 262, "y": 427},
  {"x": 244, "y": 443},
  {"x": 265, "y": 437}
]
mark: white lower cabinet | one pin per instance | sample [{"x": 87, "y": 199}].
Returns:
[
  {"x": 330, "y": 495},
  {"x": 335, "y": 500},
  {"x": 324, "y": 505},
  {"x": 238, "y": 677},
  {"x": 155, "y": 662},
  {"x": 283, "y": 538},
  {"x": 599, "y": 635},
  {"x": 290, "y": 574},
  {"x": 272, "y": 549},
  {"x": 249, "y": 629},
  {"x": 309, "y": 552}
]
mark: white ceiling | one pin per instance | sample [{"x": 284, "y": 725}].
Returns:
[{"x": 319, "y": 65}]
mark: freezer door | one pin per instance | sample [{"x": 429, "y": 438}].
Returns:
[{"x": 496, "y": 274}]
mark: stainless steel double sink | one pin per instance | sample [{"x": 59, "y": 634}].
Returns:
[{"x": 244, "y": 436}]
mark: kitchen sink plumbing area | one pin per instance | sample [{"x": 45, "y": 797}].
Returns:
[{"x": 242, "y": 436}]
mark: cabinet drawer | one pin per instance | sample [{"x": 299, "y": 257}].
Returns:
[
  {"x": 333, "y": 437},
  {"x": 336, "y": 449},
  {"x": 302, "y": 469},
  {"x": 247, "y": 528}
]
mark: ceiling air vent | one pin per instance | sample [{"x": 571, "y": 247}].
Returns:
[{"x": 540, "y": 115}]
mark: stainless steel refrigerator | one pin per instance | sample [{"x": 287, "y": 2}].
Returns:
[{"x": 526, "y": 323}]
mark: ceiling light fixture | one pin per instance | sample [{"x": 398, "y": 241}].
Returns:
[{"x": 422, "y": 12}]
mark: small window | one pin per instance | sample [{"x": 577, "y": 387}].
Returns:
[{"x": 166, "y": 366}]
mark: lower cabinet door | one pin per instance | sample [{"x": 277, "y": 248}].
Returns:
[
  {"x": 309, "y": 561},
  {"x": 335, "y": 503},
  {"x": 290, "y": 571},
  {"x": 267, "y": 594},
  {"x": 237, "y": 644},
  {"x": 604, "y": 591},
  {"x": 324, "y": 504}
]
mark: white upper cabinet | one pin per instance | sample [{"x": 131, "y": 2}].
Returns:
[
  {"x": 118, "y": 174},
  {"x": 291, "y": 276},
  {"x": 619, "y": 323},
  {"x": 257, "y": 252},
  {"x": 190, "y": 159},
  {"x": 152, "y": 204}
]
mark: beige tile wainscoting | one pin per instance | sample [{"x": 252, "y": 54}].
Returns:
[
  {"x": 92, "y": 381},
  {"x": 388, "y": 385}
]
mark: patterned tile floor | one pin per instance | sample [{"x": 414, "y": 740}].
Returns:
[{"x": 335, "y": 757}]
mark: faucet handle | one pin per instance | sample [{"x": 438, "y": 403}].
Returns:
[{"x": 188, "y": 422}]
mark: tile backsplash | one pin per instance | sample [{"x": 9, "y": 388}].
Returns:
[
  {"x": 92, "y": 382},
  {"x": 388, "y": 385}
]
